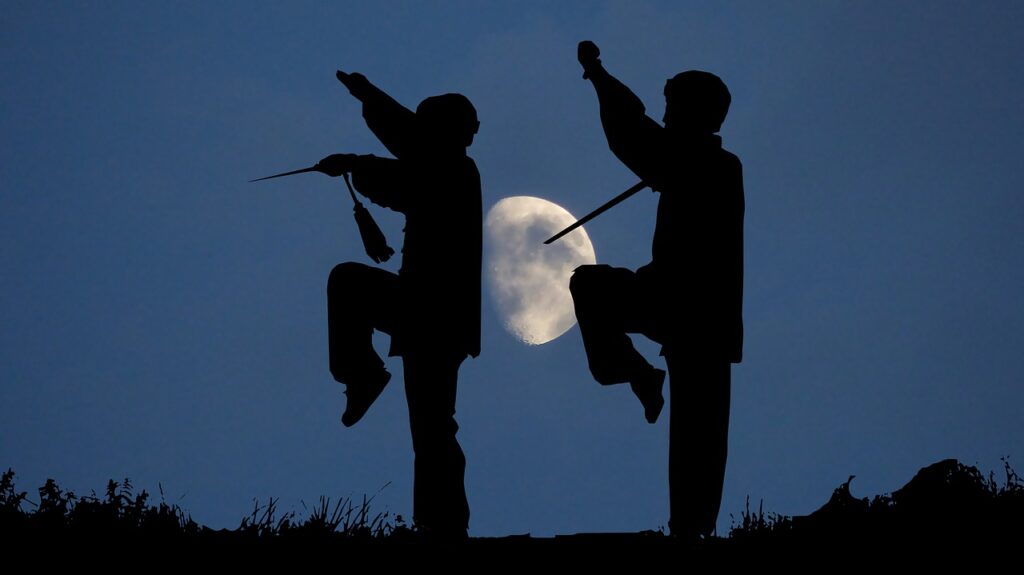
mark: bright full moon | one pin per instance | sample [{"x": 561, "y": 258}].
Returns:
[{"x": 528, "y": 280}]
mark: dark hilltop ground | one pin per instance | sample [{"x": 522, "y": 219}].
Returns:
[{"x": 946, "y": 510}]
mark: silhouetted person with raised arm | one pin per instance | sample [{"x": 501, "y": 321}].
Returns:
[
  {"x": 431, "y": 308},
  {"x": 689, "y": 297}
]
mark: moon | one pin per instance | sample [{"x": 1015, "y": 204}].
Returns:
[{"x": 529, "y": 281}]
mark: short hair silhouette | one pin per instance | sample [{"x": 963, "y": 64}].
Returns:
[
  {"x": 701, "y": 97},
  {"x": 450, "y": 118}
]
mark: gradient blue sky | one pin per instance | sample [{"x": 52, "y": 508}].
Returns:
[{"x": 162, "y": 319}]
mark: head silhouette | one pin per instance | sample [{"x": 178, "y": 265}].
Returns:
[
  {"x": 447, "y": 122},
  {"x": 696, "y": 102}
]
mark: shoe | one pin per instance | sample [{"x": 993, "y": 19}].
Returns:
[
  {"x": 361, "y": 396},
  {"x": 648, "y": 390}
]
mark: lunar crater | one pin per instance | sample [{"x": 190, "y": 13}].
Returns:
[{"x": 529, "y": 281}]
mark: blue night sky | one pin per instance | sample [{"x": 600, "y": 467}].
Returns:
[{"x": 164, "y": 320}]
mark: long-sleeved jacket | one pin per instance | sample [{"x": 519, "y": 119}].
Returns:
[
  {"x": 697, "y": 252},
  {"x": 441, "y": 256}
]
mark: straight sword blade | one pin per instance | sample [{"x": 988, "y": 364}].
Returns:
[
  {"x": 607, "y": 205},
  {"x": 291, "y": 173}
]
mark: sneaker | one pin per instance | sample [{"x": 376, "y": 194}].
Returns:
[
  {"x": 648, "y": 390},
  {"x": 361, "y": 397}
]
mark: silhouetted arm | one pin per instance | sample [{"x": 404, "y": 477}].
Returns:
[
  {"x": 391, "y": 122},
  {"x": 633, "y": 136},
  {"x": 382, "y": 180}
]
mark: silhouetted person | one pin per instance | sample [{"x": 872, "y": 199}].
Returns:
[
  {"x": 431, "y": 308},
  {"x": 689, "y": 298}
]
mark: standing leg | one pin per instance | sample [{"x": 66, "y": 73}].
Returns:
[
  {"x": 360, "y": 299},
  {"x": 698, "y": 442},
  {"x": 611, "y": 302},
  {"x": 439, "y": 493}
]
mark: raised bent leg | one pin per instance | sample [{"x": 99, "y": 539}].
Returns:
[
  {"x": 608, "y": 304},
  {"x": 360, "y": 299}
]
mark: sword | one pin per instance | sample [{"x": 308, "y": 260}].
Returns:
[
  {"x": 374, "y": 242},
  {"x": 609, "y": 204},
  {"x": 291, "y": 173}
]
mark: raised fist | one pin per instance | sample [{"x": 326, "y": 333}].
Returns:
[
  {"x": 587, "y": 53},
  {"x": 355, "y": 82}
]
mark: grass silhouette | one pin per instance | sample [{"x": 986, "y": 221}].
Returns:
[
  {"x": 947, "y": 505},
  {"x": 123, "y": 515}
]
